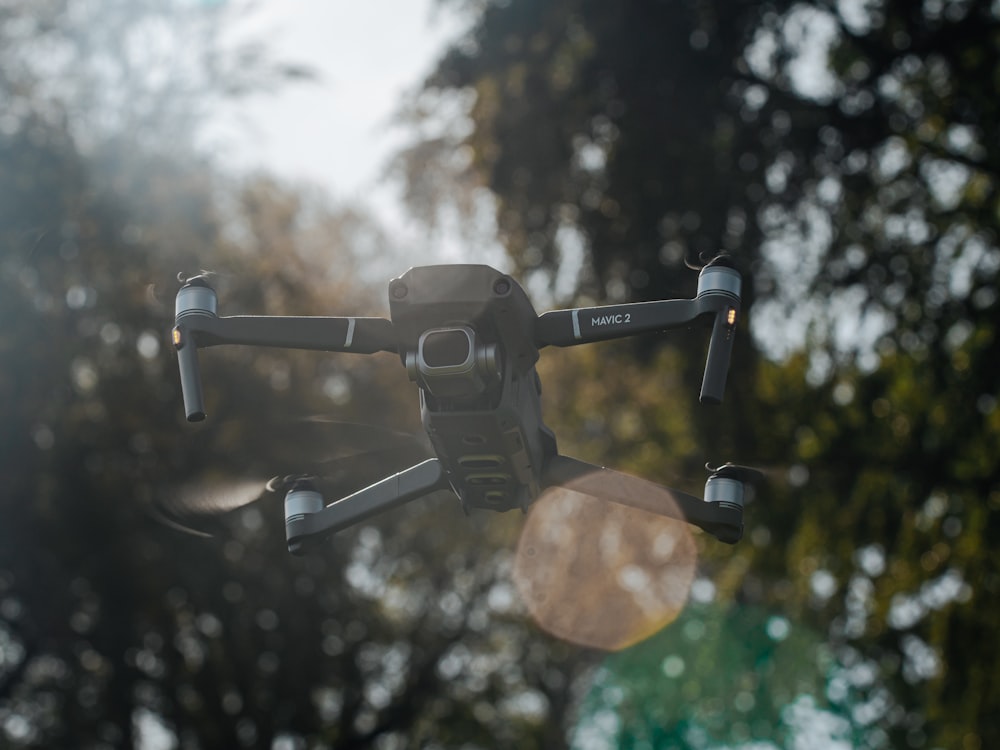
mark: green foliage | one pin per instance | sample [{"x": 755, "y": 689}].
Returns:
[
  {"x": 389, "y": 632},
  {"x": 619, "y": 140},
  {"x": 114, "y": 626},
  {"x": 720, "y": 677},
  {"x": 846, "y": 156}
]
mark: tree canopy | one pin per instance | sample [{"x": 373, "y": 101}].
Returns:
[
  {"x": 844, "y": 154},
  {"x": 116, "y": 629}
]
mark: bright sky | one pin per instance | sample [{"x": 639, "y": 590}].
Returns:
[
  {"x": 335, "y": 132},
  {"x": 338, "y": 132}
]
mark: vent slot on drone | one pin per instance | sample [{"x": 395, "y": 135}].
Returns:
[
  {"x": 488, "y": 480},
  {"x": 481, "y": 462},
  {"x": 495, "y": 497}
]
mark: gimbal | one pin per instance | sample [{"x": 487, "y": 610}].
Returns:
[{"x": 469, "y": 337}]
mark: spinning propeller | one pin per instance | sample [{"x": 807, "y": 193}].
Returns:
[
  {"x": 469, "y": 337},
  {"x": 327, "y": 453}
]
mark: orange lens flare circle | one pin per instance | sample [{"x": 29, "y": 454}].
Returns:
[{"x": 601, "y": 573}]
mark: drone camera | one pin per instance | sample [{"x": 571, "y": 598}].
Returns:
[
  {"x": 452, "y": 362},
  {"x": 448, "y": 348}
]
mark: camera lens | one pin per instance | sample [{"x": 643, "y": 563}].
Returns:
[{"x": 447, "y": 348}]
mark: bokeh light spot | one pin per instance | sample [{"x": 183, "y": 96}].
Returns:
[{"x": 600, "y": 573}]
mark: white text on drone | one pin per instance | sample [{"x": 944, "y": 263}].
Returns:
[{"x": 607, "y": 320}]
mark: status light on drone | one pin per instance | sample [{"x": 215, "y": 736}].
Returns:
[
  {"x": 731, "y": 316},
  {"x": 177, "y": 337}
]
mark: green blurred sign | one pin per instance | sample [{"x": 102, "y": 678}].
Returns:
[{"x": 736, "y": 677}]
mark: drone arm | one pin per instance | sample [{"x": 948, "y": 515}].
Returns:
[
  {"x": 361, "y": 335},
  {"x": 720, "y": 352},
  {"x": 718, "y": 295},
  {"x": 720, "y": 513},
  {"x": 584, "y": 325},
  {"x": 197, "y": 324},
  {"x": 187, "y": 361},
  {"x": 304, "y": 526}
]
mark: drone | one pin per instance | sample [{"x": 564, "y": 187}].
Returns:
[{"x": 469, "y": 337}]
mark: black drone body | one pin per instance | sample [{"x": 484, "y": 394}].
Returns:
[{"x": 470, "y": 338}]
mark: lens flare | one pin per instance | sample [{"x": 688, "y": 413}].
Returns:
[{"x": 600, "y": 573}]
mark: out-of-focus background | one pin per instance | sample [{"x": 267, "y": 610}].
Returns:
[{"x": 844, "y": 153}]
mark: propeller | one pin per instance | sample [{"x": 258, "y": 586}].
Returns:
[
  {"x": 198, "y": 507},
  {"x": 183, "y": 278},
  {"x": 207, "y": 505},
  {"x": 362, "y": 436}
]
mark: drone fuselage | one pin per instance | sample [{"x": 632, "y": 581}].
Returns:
[{"x": 466, "y": 337}]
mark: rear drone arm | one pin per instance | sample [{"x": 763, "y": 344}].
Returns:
[
  {"x": 197, "y": 325},
  {"x": 720, "y": 513},
  {"x": 718, "y": 295}
]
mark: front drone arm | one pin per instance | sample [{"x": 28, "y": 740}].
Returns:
[
  {"x": 307, "y": 520},
  {"x": 718, "y": 295},
  {"x": 585, "y": 325},
  {"x": 197, "y": 325}
]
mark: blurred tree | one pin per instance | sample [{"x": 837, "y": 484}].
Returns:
[
  {"x": 722, "y": 676},
  {"x": 116, "y": 630},
  {"x": 845, "y": 155}
]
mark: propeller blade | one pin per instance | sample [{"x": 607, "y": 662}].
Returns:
[
  {"x": 335, "y": 438},
  {"x": 359, "y": 429},
  {"x": 201, "y": 507},
  {"x": 216, "y": 497},
  {"x": 197, "y": 507}
]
